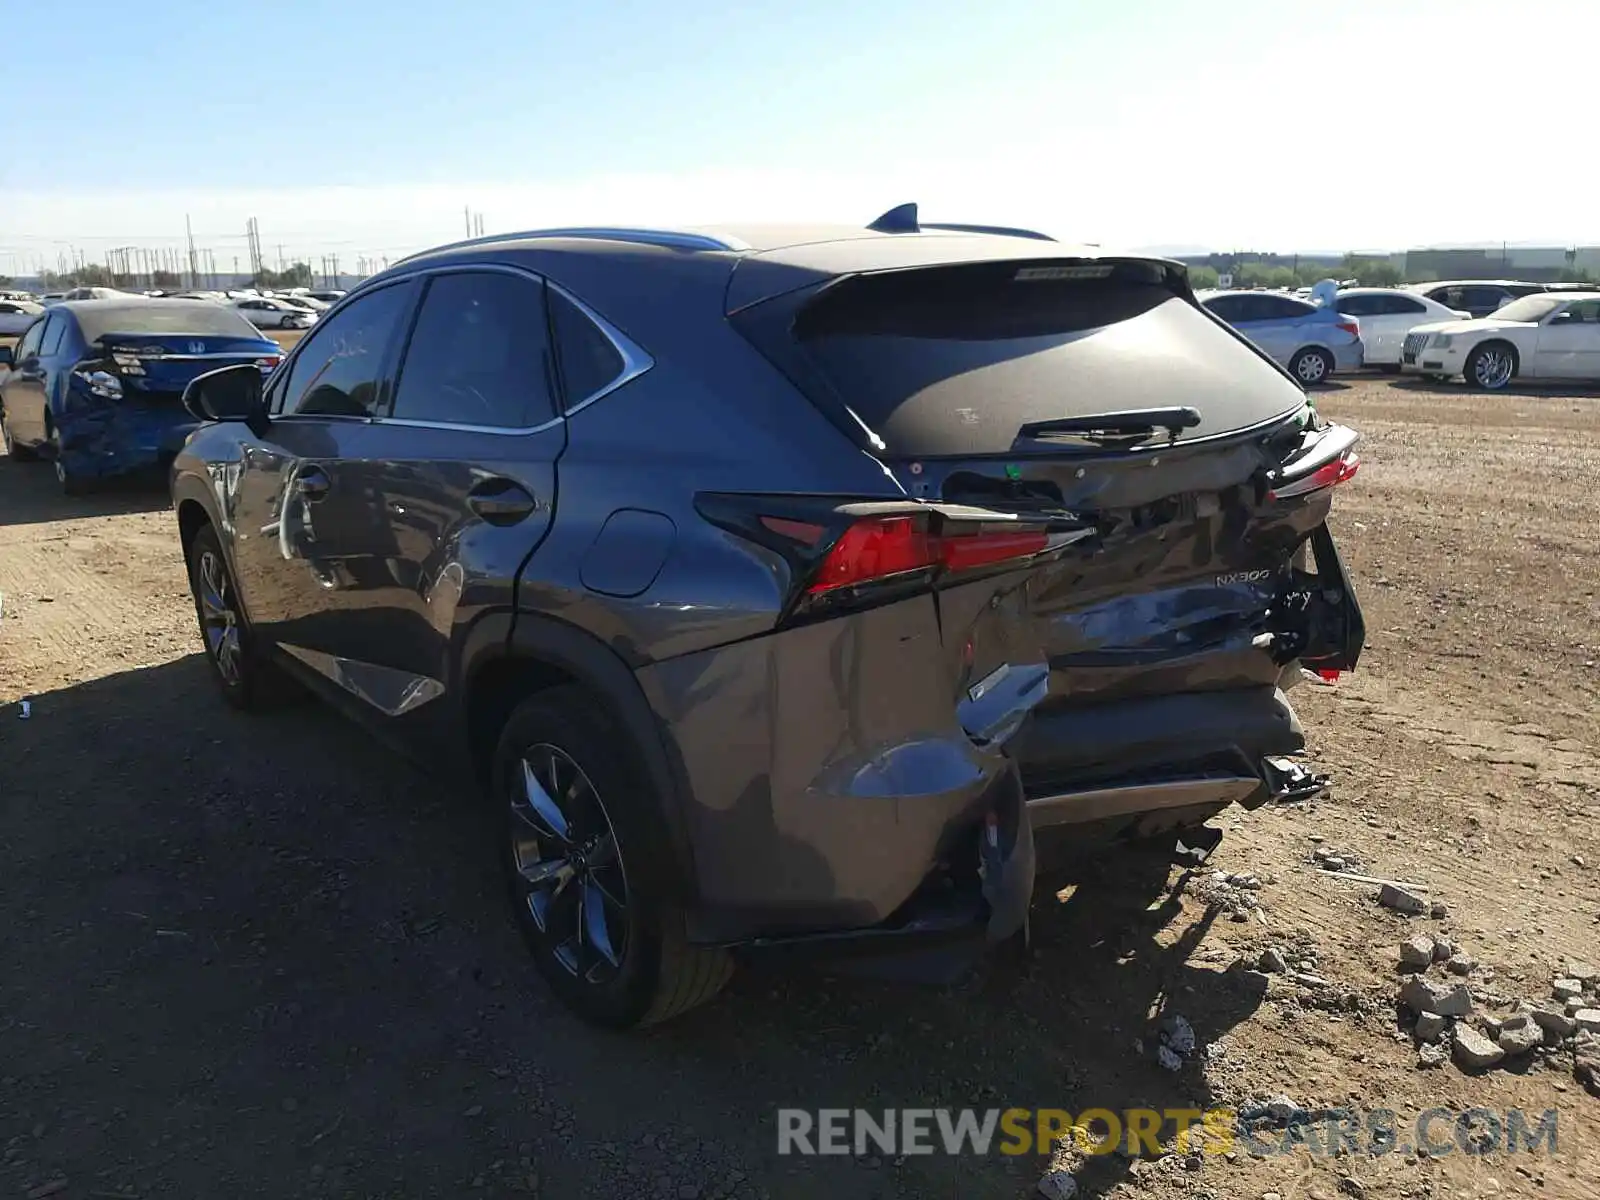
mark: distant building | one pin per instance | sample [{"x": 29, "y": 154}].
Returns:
[{"x": 1537, "y": 264}]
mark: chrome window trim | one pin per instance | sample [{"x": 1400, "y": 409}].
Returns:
[{"x": 635, "y": 359}]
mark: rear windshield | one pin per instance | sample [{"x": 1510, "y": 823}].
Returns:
[
  {"x": 953, "y": 360},
  {"x": 149, "y": 316}
]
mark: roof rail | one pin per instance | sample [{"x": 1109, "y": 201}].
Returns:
[
  {"x": 996, "y": 230},
  {"x": 674, "y": 239}
]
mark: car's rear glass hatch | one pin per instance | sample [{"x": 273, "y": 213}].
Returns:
[{"x": 959, "y": 360}]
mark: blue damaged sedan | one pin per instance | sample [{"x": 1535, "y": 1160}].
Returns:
[{"x": 97, "y": 385}]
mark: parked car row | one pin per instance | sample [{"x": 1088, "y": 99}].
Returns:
[{"x": 1489, "y": 332}]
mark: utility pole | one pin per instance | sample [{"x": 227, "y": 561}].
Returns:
[
  {"x": 194, "y": 262},
  {"x": 466, "y": 211}
]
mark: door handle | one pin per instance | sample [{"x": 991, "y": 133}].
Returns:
[
  {"x": 501, "y": 501},
  {"x": 313, "y": 483}
]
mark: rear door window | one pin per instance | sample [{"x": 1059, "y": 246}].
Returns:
[
  {"x": 955, "y": 359},
  {"x": 54, "y": 326},
  {"x": 479, "y": 354},
  {"x": 340, "y": 366}
]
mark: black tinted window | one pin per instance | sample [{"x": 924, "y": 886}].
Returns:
[
  {"x": 162, "y": 316},
  {"x": 479, "y": 354},
  {"x": 1228, "y": 308},
  {"x": 588, "y": 359},
  {"x": 1361, "y": 306},
  {"x": 1282, "y": 308},
  {"x": 338, "y": 370},
  {"x": 957, "y": 359},
  {"x": 1402, "y": 306},
  {"x": 1482, "y": 297}
]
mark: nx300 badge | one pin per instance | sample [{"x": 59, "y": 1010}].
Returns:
[{"x": 1243, "y": 577}]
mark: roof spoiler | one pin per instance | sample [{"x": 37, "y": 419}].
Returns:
[{"x": 903, "y": 219}]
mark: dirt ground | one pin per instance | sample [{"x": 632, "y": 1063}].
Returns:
[{"x": 261, "y": 957}]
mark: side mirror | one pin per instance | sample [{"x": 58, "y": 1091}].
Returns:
[
  {"x": 5, "y": 356},
  {"x": 228, "y": 394}
]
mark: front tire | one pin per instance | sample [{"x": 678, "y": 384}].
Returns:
[
  {"x": 574, "y": 843},
  {"x": 1491, "y": 366},
  {"x": 1311, "y": 366}
]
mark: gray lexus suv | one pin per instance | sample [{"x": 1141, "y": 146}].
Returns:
[{"x": 788, "y": 589}]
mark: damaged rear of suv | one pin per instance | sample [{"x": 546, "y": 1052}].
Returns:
[{"x": 789, "y": 592}]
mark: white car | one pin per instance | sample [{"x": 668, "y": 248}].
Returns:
[
  {"x": 102, "y": 293},
  {"x": 1551, "y": 335},
  {"x": 266, "y": 312},
  {"x": 17, "y": 315},
  {"x": 1386, "y": 315}
]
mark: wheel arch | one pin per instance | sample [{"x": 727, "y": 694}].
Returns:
[{"x": 505, "y": 658}]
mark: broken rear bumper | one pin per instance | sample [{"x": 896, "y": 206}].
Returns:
[{"x": 103, "y": 439}]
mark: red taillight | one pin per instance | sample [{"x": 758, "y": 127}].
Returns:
[
  {"x": 982, "y": 549},
  {"x": 879, "y": 547},
  {"x": 1329, "y": 475},
  {"x": 1353, "y": 328},
  {"x": 872, "y": 549},
  {"x": 268, "y": 364}
]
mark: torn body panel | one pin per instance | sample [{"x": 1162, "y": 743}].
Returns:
[{"x": 832, "y": 774}]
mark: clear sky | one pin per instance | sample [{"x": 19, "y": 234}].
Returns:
[{"x": 364, "y": 126}]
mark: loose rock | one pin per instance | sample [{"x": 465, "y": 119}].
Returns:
[
  {"x": 1587, "y": 974},
  {"x": 1422, "y": 995},
  {"x": 1272, "y": 961},
  {"x": 1461, "y": 964},
  {"x": 1557, "y": 1024},
  {"x": 1058, "y": 1185},
  {"x": 1442, "y": 949},
  {"x": 1520, "y": 1039},
  {"x": 1566, "y": 989},
  {"x": 1416, "y": 951},
  {"x": 1588, "y": 1020},
  {"x": 1438, "y": 910},
  {"x": 1475, "y": 1050},
  {"x": 1401, "y": 900},
  {"x": 1430, "y": 1027}
]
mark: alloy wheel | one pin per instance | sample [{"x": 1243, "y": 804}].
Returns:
[
  {"x": 219, "y": 618},
  {"x": 1493, "y": 368},
  {"x": 568, "y": 866}
]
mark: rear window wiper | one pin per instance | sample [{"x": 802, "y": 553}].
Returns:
[{"x": 1132, "y": 423}]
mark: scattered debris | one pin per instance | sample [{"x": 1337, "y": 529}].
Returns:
[
  {"x": 1177, "y": 1042},
  {"x": 1430, "y": 1027},
  {"x": 1474, "y": 1049},
  {"x": 1430, "y": 1055},
  {"x": 1422, "y": 995},
  {"x": 1058, "y": 1185},
  {"x": 1556, "y": 1025},
  {"x": 1587, "y": 974},
  {"x": 1401, "y": 897},
  {"x": 1588, "y": 1020},
  {"x": 1566, "y": 989},
  {"x": 1519, "y": 1035},
  {"x": 1461, "y": 964},
  {"x": 1438, "y": 910},
  {"x": 1416, "y": 951},
  {"x": 1442, "y": 949},
  {"x": 1272, "y": 961},
  {"x": 27, "y": 710}
]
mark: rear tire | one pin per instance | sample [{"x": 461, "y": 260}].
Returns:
[
  {"x": 249, "y": 680},
  {"x": 17, "y": 453},
  {"x": 71, "y": 483},
  {"x": 1491, "y": 366},
  {"x": 568, "y": 850},
  {"x": 1311, "y": 366}
]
